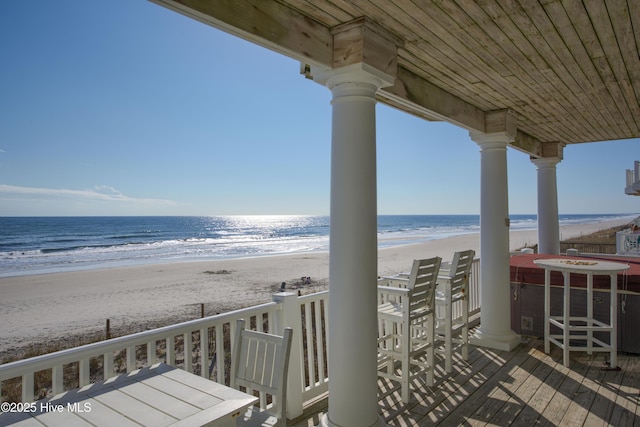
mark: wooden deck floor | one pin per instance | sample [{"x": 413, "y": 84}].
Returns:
[{"x": 524, "y": 387}]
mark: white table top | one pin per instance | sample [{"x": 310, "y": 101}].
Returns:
[
  {"x": 159, "y": 395},
  {"x": 581, "y": 265}
]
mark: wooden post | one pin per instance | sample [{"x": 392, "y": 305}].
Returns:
[
  {"x": 108, "y": 330},
  {"x": 202, "y": 310},
  {"x": 289, "y": 316}
]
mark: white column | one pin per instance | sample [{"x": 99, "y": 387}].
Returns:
[
  {"x": 353, "y": 256},
  {"x": 495, "y": 310},
  {"x": 548, "y": 223}
]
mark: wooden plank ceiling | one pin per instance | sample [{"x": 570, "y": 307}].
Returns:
[{"x": 568, "y": 70}]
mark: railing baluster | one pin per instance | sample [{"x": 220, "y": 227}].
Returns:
[
  {"x": 151, "y": 353},
  {"x": 27, "y": 387},
  {"x": 84, "y": 372},
  {"x": 311, "y": 365},
  {"x": 319, "y": 328},
  {"x": 204, "y": 353},
  {"x": 170, "y": 351},
  {"x": 131, "y": 358},
  {"x": 188, "y": 355},
  {"x": 108, "y": 371},
  {"x": 220, "y": 353},
  {"x": 57, "y": 379}
]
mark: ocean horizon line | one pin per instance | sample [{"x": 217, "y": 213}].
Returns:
[
  {"x": 295, "y": 214},
  {"x": 35, "y": 245}
]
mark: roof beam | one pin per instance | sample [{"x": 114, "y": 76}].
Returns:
[
  {"x": 527, "y": 144},
  {"x": 363, "y": 41},
  {"x": 284, "y": 30},
  {"x": 266, "y": 23},
  {"x": 413, "y": 94}
]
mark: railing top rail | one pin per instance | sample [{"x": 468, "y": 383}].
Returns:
[
  {"x": 316, "y": 296},
  {"x": 46, "y": 361}
]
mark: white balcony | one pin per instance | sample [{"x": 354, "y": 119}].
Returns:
[{"x": 497, "y": 387}]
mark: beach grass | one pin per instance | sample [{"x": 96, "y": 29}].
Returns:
[{"x": 601, "y": 236}]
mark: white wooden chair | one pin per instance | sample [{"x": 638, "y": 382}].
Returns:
[
  {"x": 260, "y": 363},
  {"x": 452, "y": 322},
  {"x": 406, "y": 324}
]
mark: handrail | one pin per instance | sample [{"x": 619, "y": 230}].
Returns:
[
  {"x": 75, "y": 354},
  {"x": 310, "y": 317},
  {"x": 26, "y": 368}
]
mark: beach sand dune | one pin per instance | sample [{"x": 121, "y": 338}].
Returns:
[{"x": 39, "y": 308}]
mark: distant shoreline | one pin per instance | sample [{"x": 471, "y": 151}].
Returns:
[
  {"x": 46, "y": 245},
  {"x": 61, "y": 306}
]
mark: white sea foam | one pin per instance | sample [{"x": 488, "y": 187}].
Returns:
[{"x": 55, "y": 244}]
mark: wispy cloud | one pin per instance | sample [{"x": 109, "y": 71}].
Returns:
[{"x": 100, "y": 193}]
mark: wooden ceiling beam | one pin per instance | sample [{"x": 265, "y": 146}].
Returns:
[
  {"x": 267, "y": 23},
  {"x": 277, "y": 27},
  {"x": 527, "y": 144},
  {"x": 417, "y": 96}
]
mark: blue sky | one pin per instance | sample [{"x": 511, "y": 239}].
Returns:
[{"x": 122, "y": 107}]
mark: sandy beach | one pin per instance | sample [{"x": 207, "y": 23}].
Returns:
[{"x": 39, "y": 308}]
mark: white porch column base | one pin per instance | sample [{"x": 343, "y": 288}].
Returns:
[
  {"x": 548, "y": 223},
  {"x": 353, "y": 250},
  {"x": 495, "y": 304},
  {"x": 324, "y": 422},
  {"x": 506, "y": 342}
]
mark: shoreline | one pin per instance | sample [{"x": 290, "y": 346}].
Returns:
[
  {"x": 59, "y": 306},
  {"x": 90, "y": 252}
]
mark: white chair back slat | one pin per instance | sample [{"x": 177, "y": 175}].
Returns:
[
  {"x": 422, "y": 279},
  {"x": 260, "y": 363},
  {"x": 462, "y": 262}
]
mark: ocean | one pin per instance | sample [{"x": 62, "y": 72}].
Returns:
[{"x": 33, "y": 245}]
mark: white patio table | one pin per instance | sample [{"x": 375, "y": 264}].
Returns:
[
  {"x": 159, "y": 395},
  {"x": 575, "y": 327}
]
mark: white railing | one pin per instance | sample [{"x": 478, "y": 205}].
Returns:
[
  {"x": 308, "y": 367},
  {"x": 627, "y": 243},
  {"x": 208, "y": 343},
  {"x": 130, "y": 352}
]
